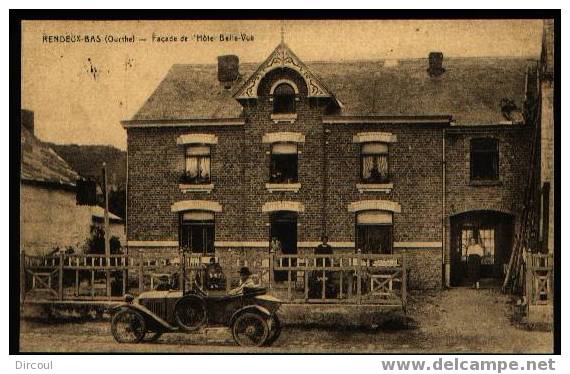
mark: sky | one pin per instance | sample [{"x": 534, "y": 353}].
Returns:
[{"x": 80, "y": 91}]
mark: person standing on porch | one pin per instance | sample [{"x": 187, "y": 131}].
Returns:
[
  {"x": 275, "y": 246},
  {"x": 474, "y": 254},
  {"x": 324, "y": 249}
]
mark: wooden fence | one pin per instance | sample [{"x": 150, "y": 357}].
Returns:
[
  {"x": 538, "y": 287},
  {"x": 539, "y": 278},
  {"x": 353, "y": 278}
]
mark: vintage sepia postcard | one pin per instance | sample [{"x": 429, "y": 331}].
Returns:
[{"x": 288, "y": 186}]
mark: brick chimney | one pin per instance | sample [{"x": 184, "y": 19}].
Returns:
[
  {"x": 435, "y": 68},
  {"x": 27, "y": 119},
  {"x": 228, "y": 70}
]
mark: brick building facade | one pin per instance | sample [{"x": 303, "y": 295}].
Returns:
[{"x": 413, "y": 156}]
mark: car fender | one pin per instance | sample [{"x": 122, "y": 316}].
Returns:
[
  {"x": 250, "y": 308},
  {"x": 146, "y": 313}
]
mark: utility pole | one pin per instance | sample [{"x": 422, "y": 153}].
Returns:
[{"x": 107, "y": 244}]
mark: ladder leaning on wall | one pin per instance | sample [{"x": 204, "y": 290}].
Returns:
[{"x": 526, "y": 238}]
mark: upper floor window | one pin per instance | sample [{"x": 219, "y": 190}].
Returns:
[
  {"x": 374, "y": 163},
  {"x": 197, "y": 164},
  {"x": 284, "y": 99},
  {"x": 284, "y": 163},
  {"x": 484, "y": 159}
]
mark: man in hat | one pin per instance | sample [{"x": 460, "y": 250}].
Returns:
[{"x": 245, "y": 281}]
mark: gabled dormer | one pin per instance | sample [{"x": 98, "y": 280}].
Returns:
[{"x": 285, "y": 92}]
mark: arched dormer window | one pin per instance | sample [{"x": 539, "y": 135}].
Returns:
[{"x": 284, "y": 99}]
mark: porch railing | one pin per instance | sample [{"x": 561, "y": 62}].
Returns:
[{"x": 354, "y": 278}]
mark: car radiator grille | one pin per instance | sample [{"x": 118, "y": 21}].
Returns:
[{"x": 158, "y": 307}]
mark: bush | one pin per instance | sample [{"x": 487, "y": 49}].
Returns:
[{"x": 96, "y": 242}]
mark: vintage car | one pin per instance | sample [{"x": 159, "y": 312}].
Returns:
[{"x": 251, "y": 316}]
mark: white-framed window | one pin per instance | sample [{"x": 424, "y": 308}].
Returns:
[
  {"x": 197, "y": 166},
  {"x": 284, "y": 163},
  {"x": 197, "y": 231},
  {"x": 374, "y": 162},
  {"x": 374, "y": 231}
]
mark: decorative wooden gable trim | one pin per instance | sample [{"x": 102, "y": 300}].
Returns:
[
  {"x": 210, "y": 206},
  {"x": 282, "y": 57},
  {"x": 275, "y": 206},
  {"x": 359, "y": 206}
]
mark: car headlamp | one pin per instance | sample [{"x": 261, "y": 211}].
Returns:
[{"x": 129, "y": 298}]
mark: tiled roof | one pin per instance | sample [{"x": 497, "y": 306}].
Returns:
[
  {"x": 40, "y": 163},
  {"x": 470, "y": 90}
]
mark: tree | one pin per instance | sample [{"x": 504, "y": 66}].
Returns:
[{"x": 96, "y": 242}]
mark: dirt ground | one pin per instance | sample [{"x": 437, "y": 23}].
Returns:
[{"x": 453, "y": 321}]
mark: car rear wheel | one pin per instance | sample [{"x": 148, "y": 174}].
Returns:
[
  {"x": 128, "y": 326},
  {"x": 250, "y": 330},
  {"x": 190, "y": 313},
  {"x": 274, "y": 330}
]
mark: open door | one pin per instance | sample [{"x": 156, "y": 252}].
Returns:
[
  {"x": 284, "y": 228},
  {"x": 493, "y": 231}
]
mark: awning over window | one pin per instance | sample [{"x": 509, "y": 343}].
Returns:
[
  {"x": 374, "y": 148},
  {"x": 275, "y": 206},
  {"x": 198, "y": 150},
  {"x": 197, "y": 215},
  {"x": 374, "y": 217},
  {"x": 197, "y": 139},
  {"x": 284, "y": 149},
  {"x": 184, "y": 205},
  {"x": 362, "y": 205},
  {"x": 367, "y": 137},
  {"x": 283, "y": 137}
]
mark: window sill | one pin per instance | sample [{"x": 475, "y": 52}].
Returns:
[
  {"x": 485, "y": 183},
  {"x": 288, "y": 117},
  {"x": 280, "y": 187},
  {"x": 375, "y": 187},
  {"x": 184, "y": 188}
]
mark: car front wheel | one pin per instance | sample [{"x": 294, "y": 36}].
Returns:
[
  {"x": 128, "y": 326},
  {"x": 274, "y": 330},
  {"x": 250, "y": 330}
]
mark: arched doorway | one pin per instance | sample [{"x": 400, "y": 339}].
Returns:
[{"x": 493, "y": 231}]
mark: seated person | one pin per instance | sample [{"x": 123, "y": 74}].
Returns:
[
  {"x": 215, "y": 278},
  {"x": 245, "y": 281},
  {"x": 164, "y": 283}
]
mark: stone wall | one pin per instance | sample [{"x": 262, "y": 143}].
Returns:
[{"x": 49, "y": 218}]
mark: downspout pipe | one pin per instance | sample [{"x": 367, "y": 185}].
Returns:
[{"x": 445, "y": 264}]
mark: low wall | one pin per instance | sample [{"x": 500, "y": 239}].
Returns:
[{"x": 424, "y": 267}]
